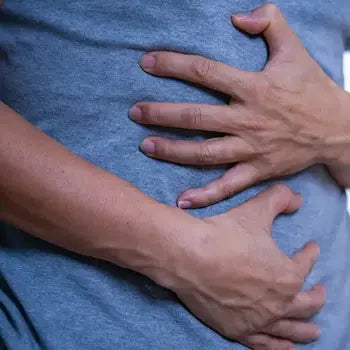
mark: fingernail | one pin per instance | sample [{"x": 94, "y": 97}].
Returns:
[
  {"x": 241, "y": 16},
  {"x": 184, "y": 204},
  {"x": 148, "y": 62},
  {"x": 148, "y": 147},
  {"x": 135, "y": 113}
]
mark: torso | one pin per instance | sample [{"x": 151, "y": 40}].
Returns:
[{"x": 71, "y": 68}]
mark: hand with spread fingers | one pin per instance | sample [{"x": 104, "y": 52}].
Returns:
[
  {"x": 278, "y": 122},
  {"x": 239, "y": 282}
]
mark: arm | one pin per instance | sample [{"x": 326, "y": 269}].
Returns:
[
  {"x": 278, "y": 121},
  {"x": 59, "y": 197}
]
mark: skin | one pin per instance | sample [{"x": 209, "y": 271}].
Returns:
[
  {"x": 278, "y": 122},
  {"x": 61, "y": 198},
  {"x": 226, "y": 269}
]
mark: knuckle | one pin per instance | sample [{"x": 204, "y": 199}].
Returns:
[
  {"x": 273, "y": 345},
  {"x": 192, "y": 117},
  {"x": 282, "y": 190},
  {"x": 271, "y": 9},
  {"x": 281, "y": 307},
  {"x": 257, "y": 123},
  {"x": 266, "y": 90},
  {"x": 156, "y": 115},
  {"x": 293, "y": 282},
  {"x": 260, "y": 343},
  {"x": 278, "y": 345},
  {"x": 150, "y": 114},
  {"x": 254, "y": 83},
  {"x": 285, "y": 327},
  {"x": 233, "y": 331},
  {"x": 206, "y": 153},
  {"x": 227, "y": 190},
  {"x": 264, "y": 87},
  {"x": 203, "y": 68},
  {"x": 165, "y": 149}
]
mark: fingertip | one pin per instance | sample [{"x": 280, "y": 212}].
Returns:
[
  {"x": 321, "y": 291},
  {"x": 307, "y": 257},
  {"x": 148, "y": 62},
  {"x": 184, "y": 204},
  {"x": 190, "y": 199},
  {"x": 186, "y": 195},
  {"x": 148, "y": 146},
  {"x": 318, "y": 333},
  {"x": 282, "y": 199},
  {"x": 320, "y": 287},
  {"x": 314, "y": 249},
  {"x": 237, "y": 18},
  {"x": 295, "y": 203},
  {"x": 135, "y": 113},
  {"x": 299, "y": 199},
  {"x": 250, "y": 22},
  {"x": 311, "y": 249}
]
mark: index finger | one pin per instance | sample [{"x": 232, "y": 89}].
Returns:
[{"x": 199, "y": 70}]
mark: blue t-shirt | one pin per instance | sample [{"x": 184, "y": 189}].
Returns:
[{"x": 70, "y": 67}]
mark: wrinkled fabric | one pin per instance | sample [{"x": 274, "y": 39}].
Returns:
[{"x": 70, "y": 67}]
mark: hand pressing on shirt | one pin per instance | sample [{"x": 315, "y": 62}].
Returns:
[
  {"x": 237, "y": 281},
  {"x": 278, "y": 122},
  {"x": 226, "y": 269}
]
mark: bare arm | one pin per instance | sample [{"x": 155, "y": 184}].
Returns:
[{"x": 57, "y": 196}]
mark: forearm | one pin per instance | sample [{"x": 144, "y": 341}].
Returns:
[{"x": 61, "y": 198}]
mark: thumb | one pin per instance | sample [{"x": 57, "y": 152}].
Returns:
[
  {"x": 269, "y": 21},
  {"x": 276, "y": 200}
]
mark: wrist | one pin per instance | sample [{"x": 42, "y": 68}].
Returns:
[
  {"x": 335, "y": 151},
  {"x": 181, "y": 239},
  {"x": 158, "y": 244}
]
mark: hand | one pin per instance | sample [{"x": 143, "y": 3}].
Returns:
[
  {"x": 239, "y": 283},
  {"x": 278, "y": 122}
]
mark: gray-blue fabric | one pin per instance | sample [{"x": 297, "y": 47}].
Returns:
[{"x": 71, "y": 68}]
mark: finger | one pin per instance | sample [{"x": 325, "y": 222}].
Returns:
[
  {"x": 199, "y": 70},
  {"x": 221, "y": 150},
  {"x": 186, "y": 116},
  {"x": 275, "y": 200},
  {"x": 296, "y": 331},
  {"x": 306, "y": 304},
  {"x": 266, "y": 342},
  {"x": 233, "y": 181},
  {"x": 306, "y": 258},
  {"x": 269, "y": 21},
  {"x": 268, "y": 204}
]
